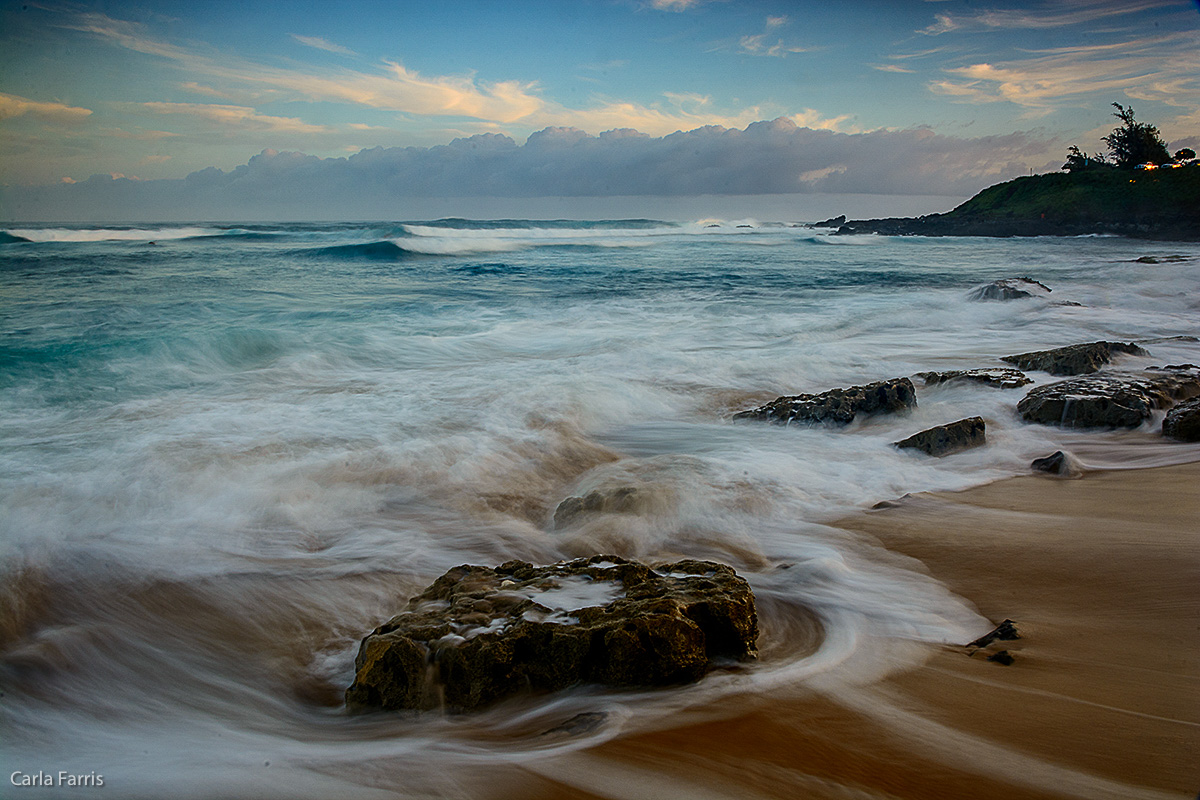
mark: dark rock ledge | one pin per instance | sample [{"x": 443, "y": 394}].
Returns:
[
  {"x": 1076, "y": 359},
  {"x": 838, "y": 406},
  {"x": 943, "y": 440},
  {"x": 478, "y": 634},
  {"x": 999, "y": 377},
  {"x": 1106, "y": 401}
]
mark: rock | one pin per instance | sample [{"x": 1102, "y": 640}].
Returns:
[
  {"x": 478, "y": 634},
  {"x": 620, "y": 500},
  {"x": 1006, "y": 632},
  {"x": 1105, "y": 401},
  {"x": 1183, "y": 421},
  {"x": 838, "y": 405},
  {"x": 835, "y": 222},
  {"x": 1000, "y": 377},
  {"x": 1160, "y": 259},
  {"x": 1076, "y": 359},
  {"x": 950, "y": 438},
  {"x": 1010, "y": 289},
  {"x": 1057, "y": 463},
  {"x": 1002, "y": 657}
]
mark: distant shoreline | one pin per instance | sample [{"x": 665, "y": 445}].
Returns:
[{"x": 1160, "y": 205}]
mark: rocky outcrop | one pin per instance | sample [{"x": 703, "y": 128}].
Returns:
[
  {"x": 1183, "y": 421},
  {"x": 950, "y": 438},
  {"x": 1010, "y": 289},
  {"x": 480, "y": 634},
  {"x": 839, "y": 406},
  {"x": 1106, "y": 401},
  {"x": 1000, "y": 377},
  {"x": 1076, "y": 359}
]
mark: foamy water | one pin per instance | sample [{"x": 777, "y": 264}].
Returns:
[{"x": 226, "y": 456}]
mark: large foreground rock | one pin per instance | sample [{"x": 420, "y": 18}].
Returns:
[
  {"x": 1183, "y": 421},
  {"x": 1106, "y": 401},
  {"x": 479, "y": 634},
  {"x": 838, "y": 406},
  {"x": 1076, "y": 359},
  {"x": 950, "y": 438}
]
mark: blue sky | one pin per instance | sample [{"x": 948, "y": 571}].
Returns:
[{"x": 968, "y": 92}]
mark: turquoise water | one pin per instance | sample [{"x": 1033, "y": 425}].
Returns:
[{"x": 228, "y": 451}]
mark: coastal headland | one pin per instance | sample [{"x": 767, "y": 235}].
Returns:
[{"x": 1161, "y": 204}]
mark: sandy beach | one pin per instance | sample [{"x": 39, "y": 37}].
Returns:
[{"x": 1102, "y": 699}]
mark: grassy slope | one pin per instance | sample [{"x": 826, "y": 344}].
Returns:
[{"x": 1100, "y": 195}]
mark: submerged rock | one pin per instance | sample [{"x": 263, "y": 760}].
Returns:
[
  {"x": 1057, "y": 463},
  {"x": 1105, "y": 401},
  {"x": 1000, "y": 377},
  {"x": 478, "y": 634},
  {"x": 838, "y": 406},
  {"x": 950, "y": 438},
  {"x": 1183, "y": 421},
  {"x": 1010, "y": 289},
  {"x": 619, "y": 500},
  {"x": 1076, "y": 359}
]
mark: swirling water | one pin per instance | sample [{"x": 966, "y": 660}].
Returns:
[{"x": 228, "y": 451}]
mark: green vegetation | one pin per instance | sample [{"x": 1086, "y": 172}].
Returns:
[
  {"x": 1131, "y": 143},
  {"x": 1133, "y": 190},
  {"x": 1106, "y": 196}
]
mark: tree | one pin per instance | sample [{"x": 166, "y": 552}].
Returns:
[
  {"x": 1078, "y": 161},
  {"x": 1134, "y": 142},
  {"x": 1185, "y": 154}
]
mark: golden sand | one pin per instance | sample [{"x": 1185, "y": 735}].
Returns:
[{"x": 1102, "y": 576}]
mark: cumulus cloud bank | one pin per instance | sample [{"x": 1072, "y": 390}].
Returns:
[{"x": 774, "y": 157}]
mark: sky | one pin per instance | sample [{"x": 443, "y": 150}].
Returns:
[{"x": 336, "y": 110}]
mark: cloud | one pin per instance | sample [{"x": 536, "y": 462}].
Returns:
[
  {"x": 12, "y": 105},
  {"x": 1162, "y": 68},
  {"x": 767, "y": 43},
  {"x": 236, "y": 117},
  {"x": 891, "y": 68},
  {"x": 674, "y": 5},
  {"x": 208, "y": 91},
  {"x": 394, "y": 87},
  {"x": 1077, "y": 13},
  {"x": 766, "y": 157},
  {"x": 323, "y": 44}
]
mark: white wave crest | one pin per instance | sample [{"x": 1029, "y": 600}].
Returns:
[{"x": 109, "y": 234}]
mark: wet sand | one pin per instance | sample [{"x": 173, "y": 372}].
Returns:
[{"x": 1102, "y": 576}]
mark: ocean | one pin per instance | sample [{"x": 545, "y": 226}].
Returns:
[{"x": 227, "y": 452}]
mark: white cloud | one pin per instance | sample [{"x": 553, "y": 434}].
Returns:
[
  {"x": 394, "y": 87},
  {"x": 207, "y": 91},
  {"x": 12, "y": 105},
  {"x": 768, "y": 43},
  {"x": 323, "y": 44},
  {"x": 674, "y": 5},
  {"x": 1052, "y": 16},
  {"x": 1162, "y": 68},
  {"x": 236, "y": 117}
]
